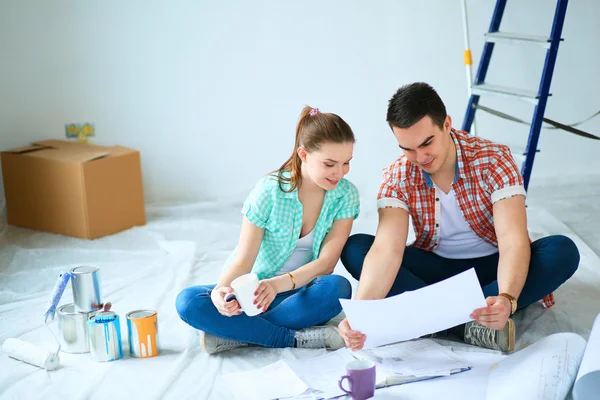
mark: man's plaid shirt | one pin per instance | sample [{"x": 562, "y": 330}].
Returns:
[{"x": 485, "y": 173}]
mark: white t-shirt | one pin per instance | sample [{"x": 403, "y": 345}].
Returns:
[
  {"x": 302, "y": 254},
  {"x": 457, "y": 239}
]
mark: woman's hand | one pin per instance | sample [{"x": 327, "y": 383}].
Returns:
[
  {"x": 226, "y": 308},
  {"x": 265, "y": 294}
]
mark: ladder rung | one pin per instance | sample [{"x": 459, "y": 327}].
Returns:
[
  {"x": 519, "y": 157},
  {"x": 521, "y": 38},
  {"x": 519, "y": 160},
  {"x": 486, "y": 88},
  {"x": 519, "y": 153}
]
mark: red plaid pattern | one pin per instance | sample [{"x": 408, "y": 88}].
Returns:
[
  {"x": 548, "y": 301},
  {"x": 485, "y": 173}
]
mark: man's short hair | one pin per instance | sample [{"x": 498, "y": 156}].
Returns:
[{"x": 412, "y": 102}]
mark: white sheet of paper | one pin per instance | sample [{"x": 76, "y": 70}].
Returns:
[
  {"x": 413, "y": 314},
  {"x": 471, "y": 385},
  {"x": 322, "y": 373},
  {"x": 587, "y": 383},
  {"x": 270, "y": 382},
  {"x": 544, "y": 370},
  {"x": 418, "y": 358}
]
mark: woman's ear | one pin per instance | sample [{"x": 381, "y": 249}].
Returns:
[{"x": 301, "y": 153}]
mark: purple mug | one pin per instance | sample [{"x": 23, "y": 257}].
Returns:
[{"x": 361, "y": 377}]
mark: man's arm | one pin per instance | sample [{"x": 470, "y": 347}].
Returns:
[
  {"x": 383, "y": 260},
  {"x": 510, "y": 223},
  {"x": 380, "y": 267}
]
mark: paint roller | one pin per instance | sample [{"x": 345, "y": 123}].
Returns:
[{"x": 31, "y": 354}]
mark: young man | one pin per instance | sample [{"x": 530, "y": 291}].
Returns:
[{"x": 466, "y": 198}]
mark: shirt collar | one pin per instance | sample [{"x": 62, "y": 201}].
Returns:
[
  {"x": 336, "y": 193},
  {"x": 459, "y": 171}
]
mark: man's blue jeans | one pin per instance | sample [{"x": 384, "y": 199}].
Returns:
[
  {"x": 554, "y": 259},
  {"x": 313, "y": 304}
]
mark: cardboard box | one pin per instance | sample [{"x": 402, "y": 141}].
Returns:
[{"x": 73, "y": 189}]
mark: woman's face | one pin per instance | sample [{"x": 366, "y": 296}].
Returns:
[{"x": 327, "y": 165}]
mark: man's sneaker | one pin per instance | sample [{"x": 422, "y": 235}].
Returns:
[
  {"x": 482, "y": 336},
  {"x": 212, "y": 344},
  {"x": 319, "y": 337}
]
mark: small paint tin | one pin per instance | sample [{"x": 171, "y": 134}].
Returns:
[
  {"x": 142, "y": 329},
  {"x": 104, "y": 331},
  {"x": 73, "y": 329},
  {"x": 85, "y": 282}
]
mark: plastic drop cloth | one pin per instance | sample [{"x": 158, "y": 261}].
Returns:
[{"x": 186, "y": 244}]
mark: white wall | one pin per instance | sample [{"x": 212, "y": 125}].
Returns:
[{"x": 210, "y": 92}]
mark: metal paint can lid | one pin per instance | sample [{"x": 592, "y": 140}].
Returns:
[
  {"x": 86, "y": 269},
  {"x": 103, "y": 316},
  {"x": 139, "y": 314},
  {"x": 69, "y": 309}
]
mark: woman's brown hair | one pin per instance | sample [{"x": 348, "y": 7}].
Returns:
[{"x": 314, "y": 128}]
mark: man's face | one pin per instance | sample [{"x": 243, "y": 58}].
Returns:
[{"x": 425, "y": 144}]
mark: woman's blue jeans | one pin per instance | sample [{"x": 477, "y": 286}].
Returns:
[{"x": 313, "y": 304}]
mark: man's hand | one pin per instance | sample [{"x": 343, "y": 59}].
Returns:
[
  {"x": 495, "y": 315},
  {"x": 354, "y": 339}
]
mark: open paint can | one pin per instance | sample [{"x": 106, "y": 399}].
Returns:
[
  {"x": 73, "y": 329},
  {"x": 105, "y": 336},
  {"x": 85, "y": 282},
  {"x": 142, "y": 329}
]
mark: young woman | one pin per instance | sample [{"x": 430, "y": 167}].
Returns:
[{"x": 296, "y": 222}]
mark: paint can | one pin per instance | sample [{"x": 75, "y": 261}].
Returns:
[
  {"x": 73, "y": 329},
  {"x": 85, "y": 283},
  {"x": 142, "y": 329},
  {"x": 104, "y": 332}
]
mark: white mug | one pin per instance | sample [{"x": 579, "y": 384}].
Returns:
[{"x": 243, "y": 289}]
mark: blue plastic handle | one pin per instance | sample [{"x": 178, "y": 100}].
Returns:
[{"x": 59, "y": 288}]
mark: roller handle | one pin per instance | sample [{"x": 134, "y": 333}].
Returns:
[{"x": 59, "y": 288}]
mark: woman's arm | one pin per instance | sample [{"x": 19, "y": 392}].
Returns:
[
  {"x": 248, "y": 245},
  {"x": 328, "y": 257}
]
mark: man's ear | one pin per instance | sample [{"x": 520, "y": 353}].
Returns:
[
  {"x": 301, "y": 153},
  {"x": 448, "y": 124}
]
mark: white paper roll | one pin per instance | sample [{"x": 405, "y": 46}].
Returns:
[{"x": 30, "y": 354}]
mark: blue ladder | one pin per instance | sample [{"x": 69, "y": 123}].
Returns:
[{"x": 540, "y": 98}]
